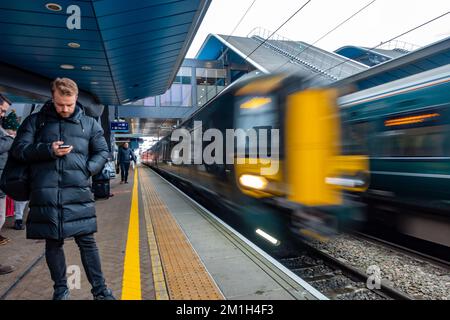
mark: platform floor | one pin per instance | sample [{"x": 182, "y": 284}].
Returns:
[{"x": 154, "y": 244}]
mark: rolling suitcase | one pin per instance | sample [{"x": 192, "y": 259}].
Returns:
[
  {"x": 101, "y": 189},
  {"x": 100, "y": 184}
]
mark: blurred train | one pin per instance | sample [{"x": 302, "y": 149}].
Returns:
[
  {"x": 305, "y": 194},
  {"x": 404, "y": 127}
]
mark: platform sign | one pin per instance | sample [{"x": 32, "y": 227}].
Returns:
[{"x": 119, "y": 126}]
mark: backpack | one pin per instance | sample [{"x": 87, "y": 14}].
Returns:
[{"x": 14, "y": 181}]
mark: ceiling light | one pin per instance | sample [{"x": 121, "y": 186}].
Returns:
[
  {"x": 74, "y": 45},
  {"x": 94, "y": 82},
  {"x": 53, "y": 7},
  {"x": 86, "y": 68},
  {"x": 67, "y": 66}
]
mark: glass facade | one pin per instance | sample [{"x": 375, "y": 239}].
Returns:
[
  {"x": 178, "y": 95},
  {"x": 207, "y": 83}
]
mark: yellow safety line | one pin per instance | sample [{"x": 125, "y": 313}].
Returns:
[
  {"x": 159, "y": 280},
  {"x": 131, "y": 285}
]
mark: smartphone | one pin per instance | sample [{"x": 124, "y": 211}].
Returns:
[{"x": 64, "y": 146}]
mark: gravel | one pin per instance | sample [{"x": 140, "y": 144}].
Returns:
[{"x": 417, "y": 278}]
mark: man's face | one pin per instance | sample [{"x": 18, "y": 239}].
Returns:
[
  {"x": 125, "y": 145},
  {"x": 3, "y": 108},
  {"x": 64, "y": 105}
]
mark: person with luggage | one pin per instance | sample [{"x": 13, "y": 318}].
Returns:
[
  {"x": 125, "y": 156},
  {"x": 11, "y": 124},
  {"x": 6, "y": 140}
]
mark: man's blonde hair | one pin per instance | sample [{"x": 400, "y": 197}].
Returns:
[{"x": 65, "y": 87}]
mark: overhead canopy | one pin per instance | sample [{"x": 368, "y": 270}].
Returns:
[
  {"x": 432, "y": 56},
  {"x": 123, "y": 51}
]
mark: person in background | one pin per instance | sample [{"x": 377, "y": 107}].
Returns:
[
  {"x": 6, "y": 140},
  {"x": 125, "y": 156},
  {"x": 19, "y": 209},
  {"x": 11, "y": 124}
]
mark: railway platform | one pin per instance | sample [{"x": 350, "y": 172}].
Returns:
[{"x": 155, "y": 244}]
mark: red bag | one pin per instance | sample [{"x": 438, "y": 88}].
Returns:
[{"x": 9, "y": 207}]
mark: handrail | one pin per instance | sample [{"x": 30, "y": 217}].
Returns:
[
  {"x": 398, "y": 45},
  {"x": 306, "y": 55}
]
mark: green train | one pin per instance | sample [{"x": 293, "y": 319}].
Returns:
[{"x": 404, "y": 127}]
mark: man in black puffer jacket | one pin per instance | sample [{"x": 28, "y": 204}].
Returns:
[{"x": 64, "y": 147}]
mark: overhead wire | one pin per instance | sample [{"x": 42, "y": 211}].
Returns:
[
  {"x": 329, "y": 32},
  {"x": 281, "y": 26},
  {"x": 265, "y": 40},
  {"x": 380, "y": 44},
  {"x": 228, "y": 37}
]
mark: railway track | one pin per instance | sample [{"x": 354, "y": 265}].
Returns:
[
  {"x": 334, "y": 278},
  {"x": 418, "y": 254}
]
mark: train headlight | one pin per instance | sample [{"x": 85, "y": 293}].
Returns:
[{"x": 253, "y": 182}]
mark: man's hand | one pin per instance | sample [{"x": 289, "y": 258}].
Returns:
[
  {"x": 60, "y": 152},
  {"x": 11, "y": 133}
]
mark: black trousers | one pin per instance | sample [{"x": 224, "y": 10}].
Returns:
[
  {"x": 124, "y": 168},
  {"x": 54, "y": 254}
]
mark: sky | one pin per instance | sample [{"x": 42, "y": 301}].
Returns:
[{"x": 379, "y": 22}]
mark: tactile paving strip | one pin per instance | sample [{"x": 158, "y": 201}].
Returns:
[{"x": 185, "y": 275}]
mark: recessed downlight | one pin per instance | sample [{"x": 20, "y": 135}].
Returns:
[
  {"x": 86, "y": 68},
  {"x": 53, "y": 7},
  {"x": 74, "y": 45},
  {"x": 67, "y": 67}
]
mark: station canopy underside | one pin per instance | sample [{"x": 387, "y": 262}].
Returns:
[{"x": 117, "y": 51}]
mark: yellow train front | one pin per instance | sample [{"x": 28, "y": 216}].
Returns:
[{"x": 269, "y": 159}]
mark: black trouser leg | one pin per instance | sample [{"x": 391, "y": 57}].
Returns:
[
  {"x": 91, "y": 262},
  {"x": 126, "y": 168},
  {"x": 122, "y": 171},
  {"x": 56, "y": 261}
]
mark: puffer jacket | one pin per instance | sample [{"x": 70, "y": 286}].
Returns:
[
  {"x": 125, "y": 155},
  {"x": 5, "y": 144},
  {"x": 61, "y": 201}
]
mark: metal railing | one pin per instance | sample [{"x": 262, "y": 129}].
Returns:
[
  {"x": 313, "y": 58},
  {"x": 400, "y": 46}
]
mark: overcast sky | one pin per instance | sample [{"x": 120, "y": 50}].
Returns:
[{"x": 381, "y": 21}]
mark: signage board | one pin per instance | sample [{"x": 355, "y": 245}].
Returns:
[{"x": 119, "y": 126}]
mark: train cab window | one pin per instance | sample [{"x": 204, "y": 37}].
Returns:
[{"x": 257, "y": 113}]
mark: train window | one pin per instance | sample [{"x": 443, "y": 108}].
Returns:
[
  {"x": 414, "y": 142},
  {"x": 355, "y": 137}
]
